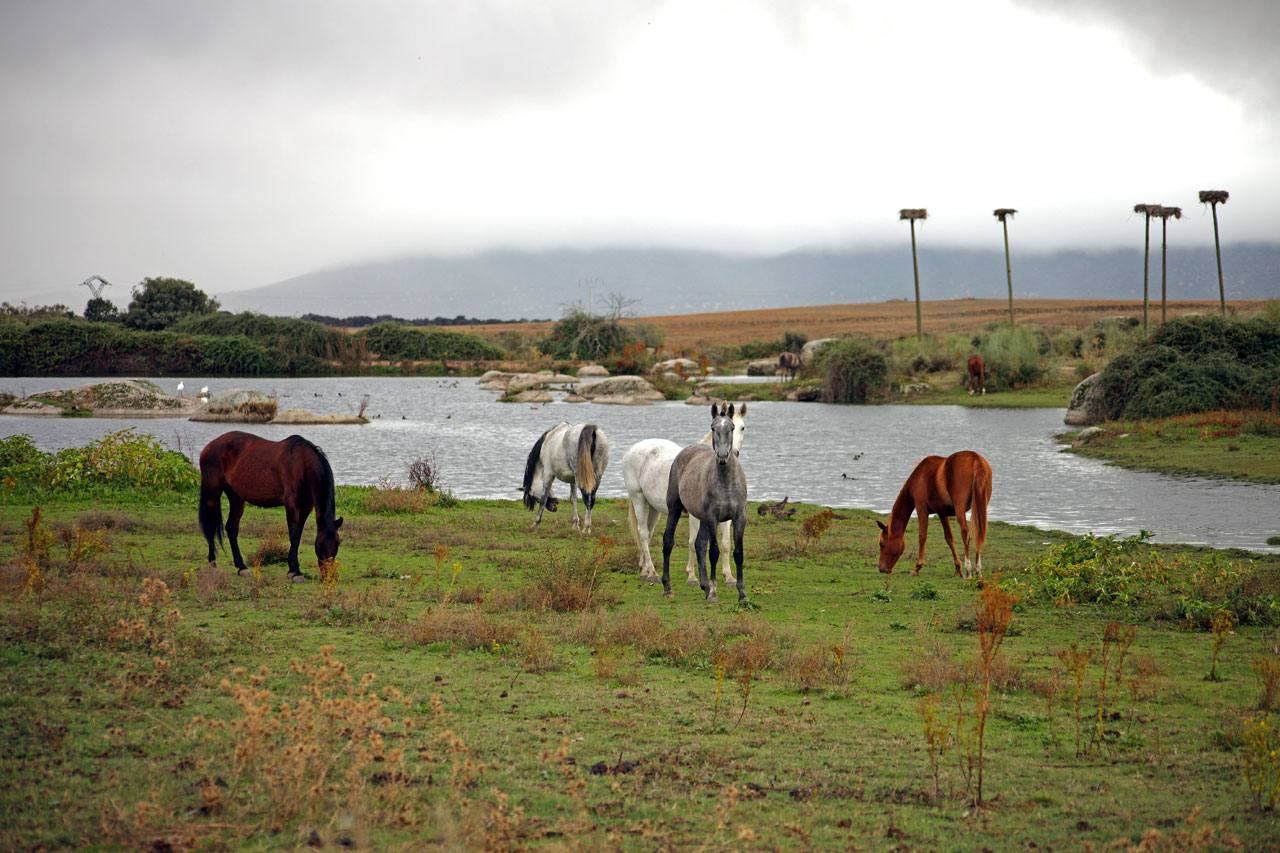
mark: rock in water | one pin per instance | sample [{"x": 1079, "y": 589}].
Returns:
[{"x": 1086, "y": 407}]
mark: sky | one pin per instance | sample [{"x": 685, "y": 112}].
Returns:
[{"x": 239, "y": 143}]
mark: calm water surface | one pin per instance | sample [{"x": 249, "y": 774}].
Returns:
[{"x": 801, "y": 450}]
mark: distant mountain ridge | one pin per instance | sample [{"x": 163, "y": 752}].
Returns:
[{"x": 515, "y": 284}]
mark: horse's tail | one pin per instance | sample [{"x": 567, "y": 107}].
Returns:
[
  {"x": 981, "y": 496},
  {"x": 211, "y": 514},
  {"x": 531, "y": 468},
  {"x": 588, "y": 482}
]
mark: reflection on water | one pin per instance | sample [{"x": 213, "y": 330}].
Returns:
[{"x": 802, "y": 450}]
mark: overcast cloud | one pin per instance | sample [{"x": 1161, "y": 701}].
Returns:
[{"x": 238, "y": 143}]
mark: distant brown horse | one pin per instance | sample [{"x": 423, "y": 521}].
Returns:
[
  {"x": 788, "y": 365},
  {"x": 977, "y": 380},
  {"x": 944, "y": 487},
  {"x": 293, "y": 473}
]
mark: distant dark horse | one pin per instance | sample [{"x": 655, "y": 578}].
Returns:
[
  {"x": 977, "y": 380},
  {"x": 293, "y": 473},
  {"x": 788, "y": 365}
]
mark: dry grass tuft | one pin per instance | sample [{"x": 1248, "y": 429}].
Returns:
[
  {"x": 273, "y": 550},
  {"x": 933, "y": 671},
  {"x": 461, "y": 628}
]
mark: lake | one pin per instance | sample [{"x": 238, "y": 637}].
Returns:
[{"x": 841, "y": 456}]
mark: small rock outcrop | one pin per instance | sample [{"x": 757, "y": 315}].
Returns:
[
  {"x": 513, "y": 383},
  {"x": 302, "y": 417},
  {"x": 810, "y": 350},
  {"x": 1087, "y": 435},
  {"x": 621, "y": 391},
  {"x": 126, "y": 398},
  {"x": 592, "y": 371},
  {"x": 762, "y": 367},
  {"x": 805, "y": 394},
  {"x": 687, "y": 366},
  {"x": 238, "y": 406},
  {"x": 1086, "y": 407}
]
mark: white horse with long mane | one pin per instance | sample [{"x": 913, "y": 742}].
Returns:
[
  {"x": 646, "y": 468},
  {"x": 572, "y": 453}
]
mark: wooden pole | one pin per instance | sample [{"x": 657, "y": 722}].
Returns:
[
  {"x": 1146, "y": 270},
  {"x": 1217, "y": 250},
  {"x": 1008, "y": 267},
  {"x": 1164, "y": 268},
  {"x": 915, "y": 268}
]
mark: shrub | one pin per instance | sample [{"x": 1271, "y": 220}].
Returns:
[
  {"x": 852, "y": 371},
  {"x": 1196, "y": 364},
  {"x": 1013, "y": 356},
  {"x": 584, "y": 335},
  {"x": 397, "y": 342}
]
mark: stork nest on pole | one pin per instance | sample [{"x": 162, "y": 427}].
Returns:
[
  {"x": 1146, "y": 209},
  {"x": 1003, "y": 213},
  {"x": 1167, "y": 212},
  {"x": 913, "y": 213},
  {"x": 1214, "y": 196}
]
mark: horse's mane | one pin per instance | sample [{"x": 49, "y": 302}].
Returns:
[
  {"x": 530, "y": 465},
  {"x": 296, "y": 442}
]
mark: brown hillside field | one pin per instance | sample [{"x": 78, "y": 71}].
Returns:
[{"x": 880, "y": 319}]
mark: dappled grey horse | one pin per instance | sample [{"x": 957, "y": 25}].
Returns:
[
  {"x": 573, "y": 453},
  {"x": 709, "y": 484}
]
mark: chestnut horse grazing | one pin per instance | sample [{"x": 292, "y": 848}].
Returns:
[
  {"x": 293, "y": 473},
  {"x": 977, "y": 380},
  {"x": 945, "y": 487}
]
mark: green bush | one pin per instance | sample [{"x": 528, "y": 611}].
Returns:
[
  {"x": 911, "y": 356},
  {"x": 1013, "y": 355},
  {"x": 583, "y": 335},
  {"x": 396, "y": 342},
  {"x": 1196, "y": 364},
  {"x": 1124, "y": 572},
  {"x": 852, "y": 371},
  {"x": 298, "y": 346},
  {"x": 122, "y": 460}
]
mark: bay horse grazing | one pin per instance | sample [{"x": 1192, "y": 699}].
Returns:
[
  {"x": 788, "y": 365},
  {"x": 646, "y": 470},
  {"x": 292, "y": 473},
  {"x": 944, "y": 487},
  {"x": 709, "y": 484},
  {"x": 572, "y": 453},
  {"x": 977, "y": 380}
]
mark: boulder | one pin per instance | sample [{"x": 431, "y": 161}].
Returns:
[
  {"x": 621, "y": 391},
  {"x": 529, "y": 395},
  {"x": 687, "y": 366},
  {"x": 1087, "y": 435},
  {"x": 592, "y": 371},
  {"x": 910, "y": 388},
  {"x": 238, "y": 406},
  {"x": 573, "y": 397},
  {"x": 805, "y": 394},
  {"x": 762, "y": 367},
  {"x": 810, "y": 350},
  {"x": 512, "y": 383},
  {"x": 1086, "y": 406},
  {"x": 491, "y": 374}
]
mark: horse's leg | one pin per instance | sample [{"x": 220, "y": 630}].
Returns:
[
  {"x": 691, "y": 565},
  {"x": 669, "y": 541},
  {"x": 964, "y": 537},
  {"x": 726, "y": 548},
  {"x": 573, "y": 499},
  {"x": 922, "y": 510},
  {"x": 642, "y": 528},
  {"x": 739, "y": 525},
  {"x": 951, "y": 542},
  {"x": 235, "y": 509},
  {"x": 706, "y": 535},
  {"x": 542, "y": 502},
  {"x": 295, "y": 519},
  {"x": 211, "y": 519}
]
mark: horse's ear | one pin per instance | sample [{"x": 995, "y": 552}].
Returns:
[
  {"x": 742, "y": 410},
  {"x": 337, "y": 523},
  {"x": 715, "y": 411},
  {"x": 880, "y": 524},
  {"x": 730, "y": 414}
]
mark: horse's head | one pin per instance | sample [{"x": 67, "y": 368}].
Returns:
[
  {"x": 327, "y": 540},
  {"x": 891, "y": 548},
  {"x": 723, "y": 428},
  {"x": 739, "y": 428}
]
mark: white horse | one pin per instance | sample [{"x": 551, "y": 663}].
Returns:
[
  {"x": 646, "y": 468},
  {"x": 573, "y": 453}
]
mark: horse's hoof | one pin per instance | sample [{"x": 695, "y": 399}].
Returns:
[
  {"x": 297, "y": 578},
  {"x": 915, "y": 571},
  {"x": 650, "y": 578},
  {"x": 693, "y": 582},
  {"x": 667, "y": 594},
  {"x": 713, "y": 599},
  {"x": 241, "y": 572}
]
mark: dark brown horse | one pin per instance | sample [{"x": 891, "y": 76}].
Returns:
[
  {"x": 293, "y": 473},
  {"x": 788, "y": 365},
  {"x": 944, "y": 487},
  {"x": 977, "y": 380}
]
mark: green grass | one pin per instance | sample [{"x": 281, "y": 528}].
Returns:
[
  {"x": 102, "y": 748},
  {"x": 1212, "y": 444}
]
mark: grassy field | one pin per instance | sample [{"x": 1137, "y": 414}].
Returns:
[
  {"x": 463, "y": 681},
  {"x": 880, "y": 320},
  {"x": 1238, "y": 445}
]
